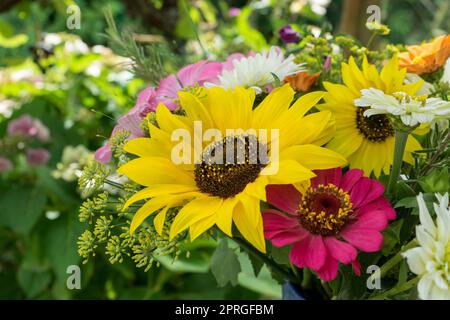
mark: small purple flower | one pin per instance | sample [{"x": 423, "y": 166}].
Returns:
[
  {"x": 5, "y": 164},
  {"x": 29, "y": 127},
  {"x": 327, "y": 64},
  {"x": 289, "y": 35},
  {"x": 234, "y": 12},
  {"x": 37, "y": 157}
]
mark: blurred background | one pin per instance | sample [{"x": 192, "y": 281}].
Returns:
[{"x": 63, "y": 81}]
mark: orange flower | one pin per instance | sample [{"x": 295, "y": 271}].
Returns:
[
  {"x": 426, "y": 58},
  {"x": 302, "y": 81}
]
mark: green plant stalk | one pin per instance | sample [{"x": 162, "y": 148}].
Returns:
[
  {"x": 272, "y": 264},
  {"x": 396, "y": 290},
  {"x": 396, "y": 259},
  {"x": 400, "y": 143}
]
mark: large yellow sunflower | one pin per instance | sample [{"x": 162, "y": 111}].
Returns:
[
  {"x": 366, "y": 142},
  {"x": 218, "y": 194}
]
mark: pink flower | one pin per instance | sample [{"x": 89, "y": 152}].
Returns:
[
  {"x": 234, "y": 12},
  {"x": 191, "y": 75},
  {"x": 167, "y": 93},
  {"x": 5, "y": 164},
  {"x": 37, "y": 157},
  {"x": 146, "y": 103},
  {"x": 327, "y": 224},
  {"x": 29, "y": 127}
]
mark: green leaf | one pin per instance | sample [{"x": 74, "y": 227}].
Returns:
[
  {"x": 225, "y": 265},
  {"x": 257, "y": 264},
  {"x": 21, "y": 208},
  {"x": 391, "y": 236},
  {"x": 33, "y": 279},
  {"x": 280, "y": 255},
  {"x": 198, "y": 262},
  {"x": 437, "y": 181},
  {"x": 60, "y": 240},
  {"x": 411, "y": 202},
  {"x": 251, "y": 36},
  {"x": 263, "y": 283}
]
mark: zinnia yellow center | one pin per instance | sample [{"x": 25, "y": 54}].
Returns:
[
  {"x": 376, "y": 128},
  {"x": 229, "y": 165},
  {"x": 325, "y": 210}
]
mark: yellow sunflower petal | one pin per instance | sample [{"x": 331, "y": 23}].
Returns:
[
  {"x": 194, "y": 211},
  {"x": 163, "y": 171},
  {"x": 158, "y": 190},
  {"x": 277, "y": 102},
  {"x": 159, "y": 219},
  {"x": 224, "y": 216},
  {"x": 201, "y": 226},
  {"x": 145, "y": 147},
  {"x": 314, "y": 157},
  {"x": 248, "y": 220},
  {"x": 289, "y": 172},
  {"x": 257, "y": 188},
  {"x": 195, "y": 109}
]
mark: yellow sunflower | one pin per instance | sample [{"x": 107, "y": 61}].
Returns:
[
  {"x": 367, "y": 142},
  {"x": 217, "y": 194}
]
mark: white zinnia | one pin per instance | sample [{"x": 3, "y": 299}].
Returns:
[
  {"x": 410, "y": 110},
  {"x": 446, "y": 75},
  {"x": 431, "y": 260},
  {"x": 257, "y": 71}
]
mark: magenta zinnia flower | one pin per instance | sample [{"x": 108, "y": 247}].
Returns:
[{"x": 336, "y": 216}]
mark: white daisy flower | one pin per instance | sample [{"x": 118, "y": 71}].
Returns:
[
  {"x": 258, "y": 71},
  {"x": 412, "y": 110},
  {"x": 431, "y": 260},
  {"x": 446, "y": 74}
]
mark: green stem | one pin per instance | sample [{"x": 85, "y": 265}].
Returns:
[
  {"x": 397, "y": 258},
  {"x": 396, "y": 290},
  {"x": 400, "y": 143},
  {"x": 372, "y": 37},
  {"x": 272, "y": 264}
]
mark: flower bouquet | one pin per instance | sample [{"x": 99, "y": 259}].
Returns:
[{"x": 327, "y": 164}]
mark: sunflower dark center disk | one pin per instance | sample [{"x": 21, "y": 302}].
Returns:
[
  {"x": 229, "y": 165},
  {"x": 376, "y": 128}
]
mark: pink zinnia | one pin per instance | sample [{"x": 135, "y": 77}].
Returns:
[{"x": 334, "y": 218}]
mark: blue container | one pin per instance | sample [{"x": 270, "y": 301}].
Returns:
[{"x": 291, "y": 292}]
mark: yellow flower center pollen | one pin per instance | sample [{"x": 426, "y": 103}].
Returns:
[
  {"x": 228, "y": 166},
  {"x": 325, "y": 210}
]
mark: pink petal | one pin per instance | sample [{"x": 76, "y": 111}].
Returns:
[
  {"x": 356, "y": 267},
  {"x": 167, "y": 92},
  {"x": 328, "y": 176},
  {"x": 132, "y": 123},
  {"x": 284, "y": 238},
  {"x": 350, "y": 178},
  {"x": 364, "y": 239},
  {"x": 359, "y": 191},
  {"x": 103, "y": 154},
  {"x": 329, "y": 270},
  {"x": 340, "y": 250},
  {"x": 379, "y": 204},
  {"x": 283, "y": 196},
  {"x": 365, "y": 191},
  {"x": 310, "y": 252},
  {"x": 375, "y": 220},
  {"x": 276, "y": 221}
]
